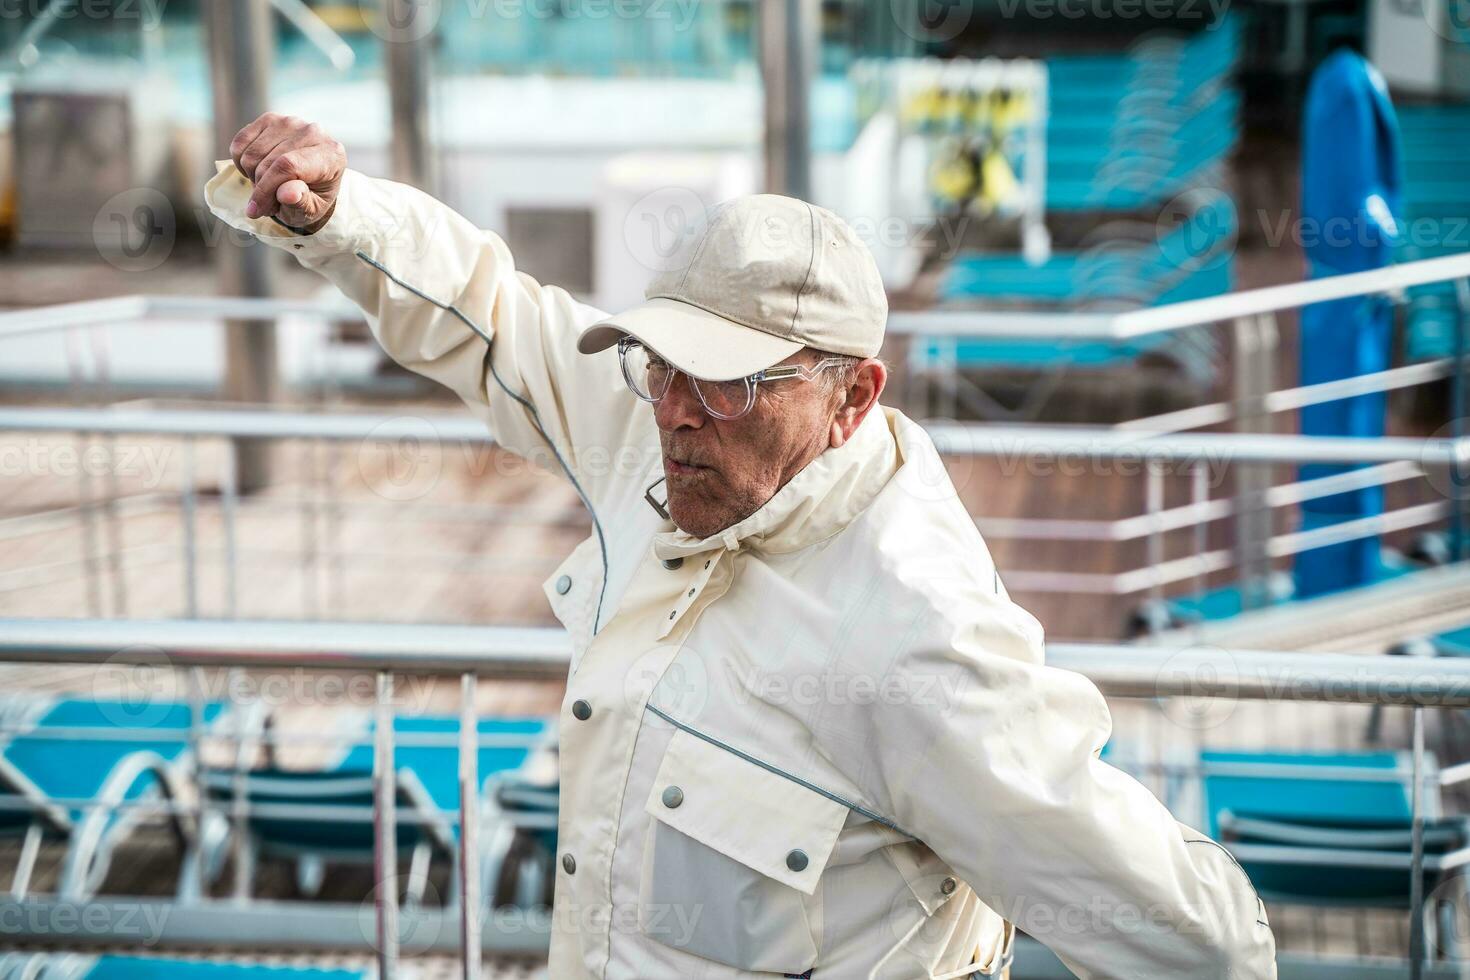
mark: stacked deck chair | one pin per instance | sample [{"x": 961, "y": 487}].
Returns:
[
  {"x": 320, "y": 817},
  {"x": 1436, "y": 201},
  {"x": 73, "y": 966},
  {"x": 1125, "y": 265},
  {"x": 1334, "y": 829},
  {"x": 1129, "y": 132},
  {"x": 88, "y": 772}
]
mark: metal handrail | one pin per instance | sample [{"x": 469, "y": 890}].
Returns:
[
  {"x": 1118, "y": 670},
  {"x": 475, "y": 652},
  {"x": 1180, "y": 316},
  {"x": 961, "y": 439},
  {"x": 967, "y": 323}
]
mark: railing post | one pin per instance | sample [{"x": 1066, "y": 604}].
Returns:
[
  {"x": 229, "y": 503},
  {"x": 469, "y": 827},
  {"x": 1254, "y": 345},
  {"x": 385, "y": 831},
  {"x": 1416, "y": 854},
  {"x": 189, "y": 501},
  {"x": 1459, "y": 481},
  {"x": 1154, "y": 505},
  {"x": 1199, "y": 497}
]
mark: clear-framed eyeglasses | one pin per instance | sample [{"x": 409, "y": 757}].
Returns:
[{"x": 650, "y": 376}]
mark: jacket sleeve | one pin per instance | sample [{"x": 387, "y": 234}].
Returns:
[
  {"x": 1002, "y": 779},
  {"x": 436, "y": 290}
]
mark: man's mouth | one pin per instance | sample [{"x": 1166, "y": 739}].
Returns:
[{"x": 674, "y": 466}]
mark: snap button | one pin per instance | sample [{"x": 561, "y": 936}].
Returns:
[
  {"x": 796, "y": 860},
  {"x": 673, "y": 796},
  {"x": 564, "y": 585},
  {"x": 673, "y": 563},
  {"x": 581, "y": 710},
  {"x": 673, "y": 613},
  {"x": 691, "y": 591},
  {"x": 947, "y": 886},
  {"x": 706, "y": 564},
  {"x": 569, "y": 864}
]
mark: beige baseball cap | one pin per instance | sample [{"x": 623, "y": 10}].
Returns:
[{"x": 765, "y": 276}]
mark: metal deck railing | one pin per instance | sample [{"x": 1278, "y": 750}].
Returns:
[{"x": 1126, "y": 674}]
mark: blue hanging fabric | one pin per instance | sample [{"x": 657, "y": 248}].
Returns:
[{"x": 1351, "y": 175}]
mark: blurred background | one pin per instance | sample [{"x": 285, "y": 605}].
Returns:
[{"x": 1178, "y": 286}]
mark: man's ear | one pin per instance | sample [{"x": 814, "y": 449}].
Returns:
[{"x": 858, "y": 399}]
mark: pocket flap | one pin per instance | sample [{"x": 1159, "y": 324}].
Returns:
[{"x": 768, "y": 822}]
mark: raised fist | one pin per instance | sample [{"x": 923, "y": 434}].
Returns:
[{"x": 295, "y": 166}]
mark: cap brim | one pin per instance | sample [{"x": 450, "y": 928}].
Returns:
[{"x": 694, "y": 340}]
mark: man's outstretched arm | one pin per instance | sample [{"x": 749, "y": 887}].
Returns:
[
  {"x": 1000, "y": 775},
  {"x": 436, "y": 291}
]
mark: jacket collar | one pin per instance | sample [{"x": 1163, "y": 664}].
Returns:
[{"x": 815, "y": 504}]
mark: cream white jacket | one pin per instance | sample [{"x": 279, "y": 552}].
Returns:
[{"x": 822, "y": 740}]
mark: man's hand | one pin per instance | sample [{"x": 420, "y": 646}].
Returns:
[{"x": 296, "y": 167}]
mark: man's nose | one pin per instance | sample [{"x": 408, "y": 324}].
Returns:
[{"x": 680, "y": 407}]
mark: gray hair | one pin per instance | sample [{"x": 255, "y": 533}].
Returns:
[{"x": 838, "y": 378}]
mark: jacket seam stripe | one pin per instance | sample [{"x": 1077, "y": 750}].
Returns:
[
  {"x": 526, "y": 404},
  {"x": 779, "y": 772}
]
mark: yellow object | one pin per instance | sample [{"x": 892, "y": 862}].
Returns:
[
  {"x": 998, "y": 184},
  {"x": 953, "y": 178},
  {"x": 344, "y": 18}
]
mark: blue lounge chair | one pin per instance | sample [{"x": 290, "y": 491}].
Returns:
[
  {"x": 90, "y": 771},
  {"x": 1132, "y": 266},
  {"x": 1331, "y": 829},
  {"x": 313, "y": 818},
  {"x": 73, "y": 966},
  {"x": 1129, "y": 132}
]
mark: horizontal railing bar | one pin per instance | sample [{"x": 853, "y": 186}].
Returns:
[
  {"x": 1179, "y": 316},
  {"x": 120, "y": 309},
  {"x": 1127, "y": 671},
  {"x": 1198, "y": 447},
  {"x": 244, "y": 423},
  {"x": 1334, "y": 856},
  {"x": 131, "y": 309},
  {"x": 1118, "y": 326},
  {"x": 1392, "y": 379},
  {"x": 1190, "y": 515},
  {"x": 402, "y": 738},
  {"x": 1286, "y": 399},
  {"x": 267, "y": 925},
  {"x": 1137, "y": 580},
  {"x": 426, "y": 649},
  {"x": 949, "y": 437}
]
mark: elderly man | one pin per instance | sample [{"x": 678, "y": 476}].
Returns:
[{"x": 806, "y": 732}]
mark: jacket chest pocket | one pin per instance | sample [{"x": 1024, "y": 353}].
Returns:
[{"x": 732, "y": 860}]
